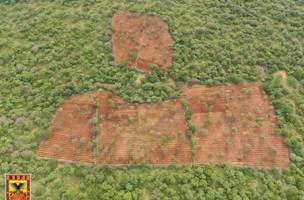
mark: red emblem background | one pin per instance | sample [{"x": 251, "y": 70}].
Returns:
[{"x": 9, "y": 195}]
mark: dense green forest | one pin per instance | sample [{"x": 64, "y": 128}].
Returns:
[{"x": 50, "y": 50}]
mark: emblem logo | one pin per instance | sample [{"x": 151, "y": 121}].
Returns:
[{"x": 18, "y": 187}]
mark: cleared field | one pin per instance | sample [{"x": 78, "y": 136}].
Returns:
[
  {"x": 235, "y": 124},
  {"x": 144, "y": 133},
  {"x": 128, "y": 133},
  {"x": 71, "y": 131},
  {"x": 141, "y": 40}
]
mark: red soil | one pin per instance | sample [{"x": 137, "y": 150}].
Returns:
[
  {"x": 141, "y": 40},
  {"x": 129, "y": 133},
  {"x": 235, "y": 124},
  {"x": 144, "y": 133},
  {"x": 71, "y": 131}
]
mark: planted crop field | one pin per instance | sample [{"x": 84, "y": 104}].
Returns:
[
  {"x": 141, "y": 40},
  {"x": 236, "y": 124},
  {"x": 71, "y": 128},
  {"x": 233, "y": 124},
  {"x": 125, "y": 133},
  {"x": 144, "y": 133}
]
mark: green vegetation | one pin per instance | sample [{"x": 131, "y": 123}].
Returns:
[
  {"x": 95, "y": 130},
  {"x": 52, "y": 49},
  {"x": 190, "y": 128}
]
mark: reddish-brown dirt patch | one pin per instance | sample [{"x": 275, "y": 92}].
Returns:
[
  {"x": 71, "y": 131},
  {"x": 235, "y": 124},
  {"x": 144, "y": 133},
  {"x": 141, "y": 40},
  {"x": 129, "y": 133}
]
